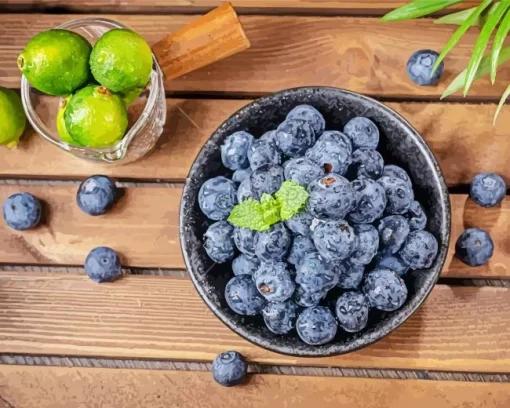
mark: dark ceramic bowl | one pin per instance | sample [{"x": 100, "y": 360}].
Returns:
[{"x": 400, "y": 144}]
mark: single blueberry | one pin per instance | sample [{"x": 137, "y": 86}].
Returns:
[
  {"x": 367, "y": 163},
  {"x": 417, "y": 217},
  {"x": 245, "y": 240},
  {"x": 474, "y": 247},
  {"x": 243, "y": 297},
  {"x": 280, "y": 318},
  {"x": 390, "y": 170},
  {"x": 306, "y": 298},
  {"x": 302, "y": 171},
  {"x": 245, "y": 265},
  {"x": 96, "y": 195},
  {"x": 368, "y": 243},
  {"x": 392, "y": 262},
  {"x": 270, "y": 137},
  {"x": 371, "y": 202},
  {"x": 385, "y": 290},
  {"x": 234, "y": 152},
  {"x": 22, "y": 211},
  {"x": 488, "y": 189},
  {"x": 294, "y": 137},
  {"x": 351, "y": 310},
  {"x": 316, "y": 326},
  {"x": 240, "y": 175},
  {"x": 311, "y": 115},
  {"x": 316, "y": 274},
  {"x": 300, "y": 247},
  {"x": 393, "y": 231},
  {"x": 103, "y": 265},
  {"x": 273, "y": 245},
  {"x": 351, "y": 274},
  {"x": 229, "y": 368},
  {"x": 399, "y": 194},
  {"x": 300, "y": 223},
  {"x": 217, "y": 197},
  {"x": 362, "y": 132},
  {"x": 332, "y": 197},
  {"x": 244, "y": 190},
  {"x": 332, "y": 152},
  {"x": 274, "y": 282},
  {"x": 266, "y": 179},
  {"x": 335, "y": 240},
  {"x": 419, "y": 250},
  {"x": 419, "y": 67},
  {"x": 263, "y": 152},
  {"x": 219, "y": 242}
]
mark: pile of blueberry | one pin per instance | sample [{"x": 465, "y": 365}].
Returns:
[{"x": 360, "y": 233}]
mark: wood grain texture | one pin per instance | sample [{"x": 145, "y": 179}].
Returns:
[
  {"x": 54, "y": 387},
  {"x": 457, "y": 329},
  {"x": 360, "y": 54}
]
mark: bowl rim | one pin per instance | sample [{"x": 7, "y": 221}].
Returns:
[{"x": 393, "y": 323}]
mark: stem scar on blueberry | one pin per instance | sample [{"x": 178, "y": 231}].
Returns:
[
  {"x": 264, "y": 288},
  {"x": 328, "y": 181},
  {"x": 328, "y": 167}
]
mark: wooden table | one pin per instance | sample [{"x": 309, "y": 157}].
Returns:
[{"x": 147, "y": 340}]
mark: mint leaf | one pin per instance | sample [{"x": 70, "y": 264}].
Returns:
[
  {"x": 292, "y": 197},
  {"x": 249, "y": 214},
  {"x": 270, "y": 209}
]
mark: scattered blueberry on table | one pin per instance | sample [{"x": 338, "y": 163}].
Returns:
[
  {"x": 474, "y": 247},
  {"x": 103, "y": 265},
  {"x": 229, "y": 368},
  {"x": 488, "y": 189},
  {"x": 22, "y": 211},
  {"x": 96, "y": 195},
  {"x": 419, "y": 68}
]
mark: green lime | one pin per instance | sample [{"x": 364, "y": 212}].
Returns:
[
  {"x": 95, "y": 117},
  {"x": 61, "y": 125},
  {"x": 56, "y": 62},
  {"x": 121, "y": 60},
  {"x": 130, "y": 95},
  {"x": 13, "y": 121}
]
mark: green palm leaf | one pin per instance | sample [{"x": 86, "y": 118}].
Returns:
[
  {"x": 499, "y": 38},
  {"x": 418, "y": 8},
  {"x": 502, "y": 101},
  {"x": 459, "y": 17}
]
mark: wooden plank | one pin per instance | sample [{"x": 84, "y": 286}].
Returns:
[
  {"x": 458, "y": 328},
  {"x": 58, "y": 387},
  {"x": 360, "y": 54}
]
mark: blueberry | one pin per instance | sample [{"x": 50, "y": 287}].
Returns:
[
  {"x": 263, "y": 152},
  {"x": 474, "y": 247},
  {"x": 234, "y": 152},
  {"x": 419, "y": 250},
  {"x": 300, "y": 223},
  {"x": 335, "y": 240},
  {"x": 332, "y": 152},
  {"x": 368, "y": 243},
  {"x": 419, "y": 67},
  {"x": 371, "y": 202},
  {"x": 362, "y": 132},
  {"x": 367, "y": 163},
  {"x": 300, "y": 247},
  {"x": 96, "y": 195},
  {"x": 399, "y": 194},
  {"x": 308, "y": 298},
  {"x": 331, "y": 197},
  {"x": 316, "y": 326},
  {"x": 22, "y": 211},
  {"x": 245, "y": 240},
  {"x": 351, "y": 274},
  {"x": 217, "y": 197},
  {"x": 316, "y": 274},
  {"x": 302, "y": 171},
  {"x": 311, "y": 115},
  {"x": 393, "y": 231},
  {"x": 280, "y": 318},
  {"x": 488, "y": 189},
  {"x": 274, "y": 282},
  {"x": 391, "y": 170},
  {"x": 103, "y": 265},
  {"x": 245, "y": 265},
  {"x": 243, "y": 297},
  {"x": 392, "y": 262},
  {"x": 351, "y": 310},
  {"x": 244, "y": 190},
  {"x": 266, "y": 179},
  {"x": 294, "y": 137},
  {"x": 229, "y": 368},
  {"x": 273, "y": 245},
  {"x": 270, "y": 137},
  {"x": 385, "y": 290},
  {"x": 240, "y": 175},
  {"x": 219, "y": 242},
  {"x": 417, "y": 217}
]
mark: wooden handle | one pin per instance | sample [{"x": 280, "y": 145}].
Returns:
[{"x": 212, "y": 37}]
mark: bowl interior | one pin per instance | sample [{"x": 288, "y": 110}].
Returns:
[{"x": 400, "y": 144}]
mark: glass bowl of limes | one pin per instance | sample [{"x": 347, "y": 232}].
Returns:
[{"x": 94, "y": 88}]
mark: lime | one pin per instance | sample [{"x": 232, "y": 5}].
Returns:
[
  {"x": 56, "y": 61},
  {"x": 130, "y": 95},
  {"x": 121, "y": 60},
  {"x": 61, "y": 125},
  {"x": 95, "y": 117},
  {"x": 13, "y": 121}
]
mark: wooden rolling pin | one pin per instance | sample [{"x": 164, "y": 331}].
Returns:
[{"x": 212, "y": 37}]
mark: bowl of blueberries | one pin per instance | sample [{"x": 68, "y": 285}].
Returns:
[{"x": 314, "y": 221}]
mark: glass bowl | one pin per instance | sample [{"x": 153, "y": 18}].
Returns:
[{"x": 146, "y": 115}]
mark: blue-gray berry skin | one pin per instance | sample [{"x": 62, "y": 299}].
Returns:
[
  {"x": 385, "y": 290},
  {"x": 332, "y": 152},
  {"x": 488, "y": 189},
  {"x": 390, "y": 170},
  {"x": 103, "y": 265},
  {"x": 244, "y": 190},
  {"x": 417, "y": 217},
  {"x": 311, "y": 115},
  {"x": 301, "y": 223},
  {"x": 368, "y": 243},
  {"x": 273, "y": 245},
  {"x": 307, "y": 298},
  {"x": 316, "y": 326},
  {"x": 362, "y": 132},
  {"x": 217, "y": 197},
  {"x": 245, "y": 240},
  {"x": 419, "y": 67},
  {"x": 399, "y": 194},
  {"x": 234, "y": 152},
  {"x": 274, "y": 282},
  {"x": 243, "y": 297},
  {"x": 22, "y": 211},
  {"x": 96, "y": 195},
  {"x": 219, "y": 242},
  {"x": 229, "y": 368},
  {"x": 350, "y": 274},
  {"x": 270, "y": 137},
  {"x": 280, "y": 318},
  {"x": 351, "y": 310},
  {"x": 294, "y": 137},
  {"x": 245, "y": 265},
  {"x": 263, "y": 152},
  {"x": 335, "y": 240},
  {"x": 392, "y": 262},
  {"x": 242, "y": 174},
  {"x": 371, "y": 201},
  {"x": 302, "y": 171},
  {"x": 332, "y": 197},
  {"x": 316, "y": 274},
  {"x": 393, "y": 231},
  {"x": 474, "y": 247},
  {"x": 420, "y": 250},
  {"x": 301, "y": 246},
  {"x": 367, "y": 163},
  {"x": 266, "y": 180}
]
